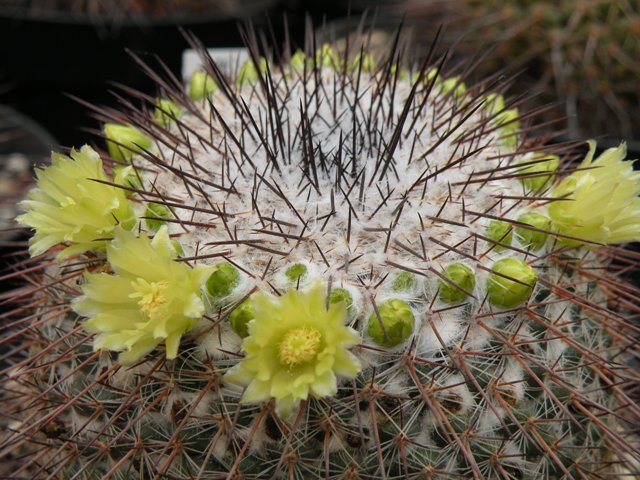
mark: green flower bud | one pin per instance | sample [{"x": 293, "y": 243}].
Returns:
[
  {"x": 202, "y": 85},
  {"x": 398, "y": 321},
  {"x": 404, "y": 281},
  {"x": 509, "y": 118},
  {"x": 338, "y": 295},
  {"x": 222, "y": 282},
  {"x": 156, "y": 210},
  {"x": 240, "y": 317},
  {"x": 296, "y": 272},
  {"x": 123, "y": 141},
  {"x": 544, "y": 163},
  {"x": 512, "y": 291},
  {"x": 499, "y": 231},
  {"x": 166, "y": 111},
  {"x": 509, "y": 130},
  {"x": 248, "y": 72},
  {"x": 531, "y": 239},
  {"x": 461, "y": 275}
]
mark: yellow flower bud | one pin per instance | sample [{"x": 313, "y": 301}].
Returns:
[
  {"x": 202, "y": 86},
  {"x": 297, "y": 61},
  {"x": 166, "y": 111},
  {"x": 326, "y": 56},
  {"x": 365, "y": 63},
  {"x": 453, "y": 86},
  {"x": 124, "y": 141},
  {"x": 249, "y": 74},
  {"x": 505, "y": 118},
  {"x": 338, "y": 295}
]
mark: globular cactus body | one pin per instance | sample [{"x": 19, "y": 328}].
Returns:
[{"x": 324, "y": 295}]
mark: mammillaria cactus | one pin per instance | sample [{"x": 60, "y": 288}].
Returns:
[{"x": 314, "y": 288}]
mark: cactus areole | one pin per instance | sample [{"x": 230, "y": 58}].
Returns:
[{"x": 341, "y": 265}]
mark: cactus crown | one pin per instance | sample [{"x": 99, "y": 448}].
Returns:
[{"x": 323, "y": 296}]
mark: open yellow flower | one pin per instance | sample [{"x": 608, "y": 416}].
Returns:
[
  {"x": 295, "y": 348},
  {"x": 149, "y": 299},
  {"x": 600, "y": 203},
  {"x": 68, "y": 206}
]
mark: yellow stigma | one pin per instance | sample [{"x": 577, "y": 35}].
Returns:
[
  {"x": 151, "y": 297},
  {"x": 67, "y": 202},
  {"x": 299, "y": 345}
]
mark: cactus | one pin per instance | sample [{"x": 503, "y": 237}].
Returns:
[{"x": 310, "y": 292}]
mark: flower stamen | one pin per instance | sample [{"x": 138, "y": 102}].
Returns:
[
  {"x": 151, "y": 295},
  {"x": 298, "y": 346}
]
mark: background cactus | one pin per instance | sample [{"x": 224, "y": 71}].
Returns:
[
  {"x": 580, "y": 56},
  {"x": 379, "y": 186}
]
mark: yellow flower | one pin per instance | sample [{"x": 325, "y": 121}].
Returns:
[
  {"x": 599, "y": 203},
  {"x": 68, "y": 206},
  {"x": 295, "y": 348},
  {"x": 150, "y": 298}
]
